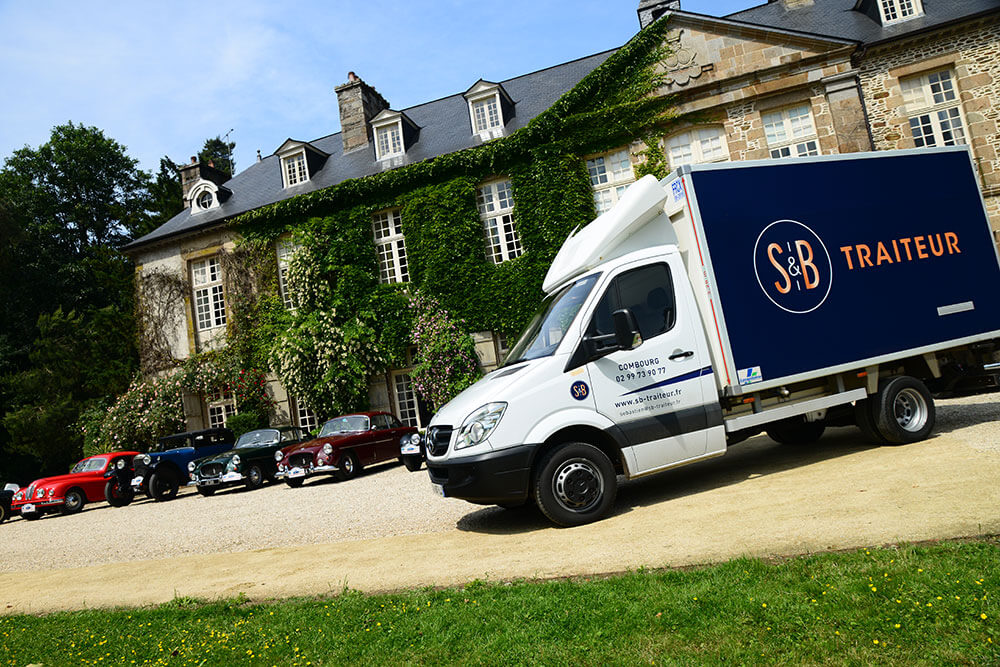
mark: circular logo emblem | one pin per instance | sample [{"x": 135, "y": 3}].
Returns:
[
  {"x": 793, "y": 266},
  {"x": 579, "y": 390}
]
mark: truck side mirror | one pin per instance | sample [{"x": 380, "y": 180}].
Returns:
[{"x": 626, "y": 330}]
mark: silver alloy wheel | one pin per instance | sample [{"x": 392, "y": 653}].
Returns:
[
  {"x": 910, "y": 410},
  {"x": 578, "y": 485}
]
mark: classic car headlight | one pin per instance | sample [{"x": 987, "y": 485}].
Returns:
[
  {"x": 51, "y": 491},
  {"x": 478, "y": 426},
  {"x": 414, "y": 439},
  {"x": 121, "y": 464},
  {"x": 278, "y": 456},
  {"x": 328, "y": 449},
  {"x": 19, "y": 495},
  {"x": 191, "y": 466},
  {"x": 146, "y": 458},
  {"x": 40, "y": 493},
  {"x": 236, "y": 460}
]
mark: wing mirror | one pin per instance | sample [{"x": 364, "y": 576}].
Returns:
[{"x": 625, "y": 337}]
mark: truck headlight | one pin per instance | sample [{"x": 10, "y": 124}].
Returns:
[
  {"x": 278, "y": 456},
  {"x": 328, "y": 449},
  {"x": 478, "y": 426},
  {"x": 191, "y": 466}
]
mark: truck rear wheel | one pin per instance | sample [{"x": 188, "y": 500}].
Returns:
[
  {"x": 576, "y": 484},
  {"x": 864, "y": 417},
  {"x": 904, "y": 410},
  {"x": 795, "y": 431}
]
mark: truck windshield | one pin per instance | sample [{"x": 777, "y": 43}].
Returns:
[{"x": 551, "y": 321}]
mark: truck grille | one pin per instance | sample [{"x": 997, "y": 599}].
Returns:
[
  {"x": 301, "y": 461},
  {"x": 211, "y": 470},
  {"x": 438, "y": 438}
]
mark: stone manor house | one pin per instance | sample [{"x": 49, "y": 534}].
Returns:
[{"x": 783, "y": 79}]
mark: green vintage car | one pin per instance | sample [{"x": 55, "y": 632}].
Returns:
[{"x": 249, "y": 463}]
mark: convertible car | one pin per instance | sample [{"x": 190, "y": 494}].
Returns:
[{"x": 68, "y": 493}]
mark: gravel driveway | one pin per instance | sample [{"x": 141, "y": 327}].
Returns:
[{"x": 386, "y": 530}]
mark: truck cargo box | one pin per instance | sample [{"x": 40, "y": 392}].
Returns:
[{"x": 811, "y": 266}]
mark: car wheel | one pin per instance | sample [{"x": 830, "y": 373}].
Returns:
[
  {"x": 255, "y": 478},
  {"x": 73, "y": 502},
  {"x": 348, "y": 466},
  {"x": 904, "y": 410},
  {"x": 116, "y": 496},
  {"x": 206, "y": 490},
  {"x": 162, "y": 486},
  {"x": 32, "y": 516},
  {"x": 294, "y": 482},
  {"x": 412, "y": 462},
  {"x": 4, "y": 512},
  {"x": 576, "y": 484}
]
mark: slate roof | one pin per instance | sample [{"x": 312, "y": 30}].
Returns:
[
  {"x": 444, "y": 128},
  {"x": 838, "y": 18}
]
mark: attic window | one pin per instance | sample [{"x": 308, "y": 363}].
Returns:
[
  {"x": 204, "y": 196},
  {"x": 389, "y": 140},
  {"x": 490, "y": 109},
  {"x": 206, "y": 199},
  {"x": 294, "y": 169},
  {"x": 486, "y": 114},
  {"x": 899, "y": 10}
]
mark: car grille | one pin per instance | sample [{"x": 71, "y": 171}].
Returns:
[
  {"x": 211, "y": 470},
  {"x": 139, "y": 467},
  {"x": 31, "y": 493},
  {"x": 301, "y": 460},
  {"x": 438, "y": 438}
]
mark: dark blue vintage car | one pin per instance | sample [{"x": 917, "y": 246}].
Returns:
[{"x": 160, "y": 472}]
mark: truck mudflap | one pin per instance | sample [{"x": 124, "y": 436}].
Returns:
[{"x": 487, "y": 479}]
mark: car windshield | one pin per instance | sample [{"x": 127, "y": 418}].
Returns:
[
  {"x": 348, "y": 424},
  {"x": 89, "y": 465},
  {"x": 264, "y": 436},
  {"x": 551, "y": 321}
]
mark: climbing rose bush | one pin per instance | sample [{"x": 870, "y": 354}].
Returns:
[{"x": 446, "y": 361}]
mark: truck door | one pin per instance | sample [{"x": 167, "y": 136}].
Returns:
[{"x": 653, "y": 392}]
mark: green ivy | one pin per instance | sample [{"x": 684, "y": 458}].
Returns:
[{"x": 342, "y": 311}]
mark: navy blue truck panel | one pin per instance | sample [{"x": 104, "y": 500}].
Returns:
[{"x": 820, "y": 263}]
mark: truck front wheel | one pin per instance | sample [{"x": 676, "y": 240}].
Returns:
[
  {"x": 576, "y": 484},
  {"x": 904, "y": 410}
]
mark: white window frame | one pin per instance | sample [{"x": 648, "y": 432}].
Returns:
[
  {"x": 610, "y": 174},
  {"x": 486, "y": 112},
  {"x": 894, "y": 11},
  {"x": 220, "y": 406},
  {"x": 305, "y": 418},
  {"x": 405, "y": 397},
  {"x": 284, "y": 249},
  {"x": 933, "y": 109},
  {"x": 495, "y": 201},
  {"x": 389, "y": 140},
  {"x": 791, "y": 132},
  {"x": 294, "y": 168},
  {"x": 208, "y": 294},
  {"x": 697, "y": 146},
  {"x": 390, "y": 246}
]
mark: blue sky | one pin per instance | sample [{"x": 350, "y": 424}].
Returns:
[{"x": 160, "y": 78}]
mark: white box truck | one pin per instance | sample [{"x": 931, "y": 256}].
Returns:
[{"x": 728, "y": 300}]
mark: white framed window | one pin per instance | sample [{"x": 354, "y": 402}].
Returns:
[
  {"x": 389, "y": 140},
  {"x": 294, "y": 169},
  {"x": 390, "y": 246},
  {"x": 209, "y": 295},
  {"x": 305, "y": 418},
  {"x": 496, "y": 208},
  {"x": 610, "y": 175},
  {"x": 406, "y": 400},
  {"x": 932, "y": 105},
  {"x": 899, "y": 10},
  {"x": 221, "y": 406},
  {"x": 486, "y": 114},
  {"x": 697, "y": 146},
  {"x": 284, "y": 250},
  {"x": 791, "y": 132}
]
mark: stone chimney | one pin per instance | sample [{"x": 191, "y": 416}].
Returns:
[
  {"x": 650, "y": 10},
  {"x": 195, "y": 171},
  {"x": 359, "y": 103}
]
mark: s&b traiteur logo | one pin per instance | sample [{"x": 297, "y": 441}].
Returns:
[{"x": 793, "y": 266}]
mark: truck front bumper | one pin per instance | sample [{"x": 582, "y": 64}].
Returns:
[{"x": 487, "y": 479}]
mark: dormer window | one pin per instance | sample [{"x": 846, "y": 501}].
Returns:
[
  {"x": 295, "y": 169},
  {"x": 394, "y": 133},
  {"x": 300, "y": 162},
  {"x": 206, "y": 195},
  {"x": 899, "y": 10},
  {"x": 490, "y": 108}
]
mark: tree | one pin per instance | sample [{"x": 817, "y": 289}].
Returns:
[
  {"x": 166, "y": 198},
  {"x": 219, "y": 153}
]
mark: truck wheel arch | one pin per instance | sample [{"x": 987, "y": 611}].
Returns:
[{"x": 583, "y": 433}]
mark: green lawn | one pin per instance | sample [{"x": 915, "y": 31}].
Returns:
[{"x": 909, "y": 605}]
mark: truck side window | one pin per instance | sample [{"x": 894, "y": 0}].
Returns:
[{"x": 648, "y": 292}]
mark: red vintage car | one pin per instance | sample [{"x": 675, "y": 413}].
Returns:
[
  {"x": 69, "y": 493},
  {"x": 345, "y": 444}
]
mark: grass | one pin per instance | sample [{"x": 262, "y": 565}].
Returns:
[{"x": 912, "y": 605}]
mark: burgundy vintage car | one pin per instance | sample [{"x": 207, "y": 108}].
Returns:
[
  {"x": 69, "y": 493},
  {"x": 344, "y": 445}
]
